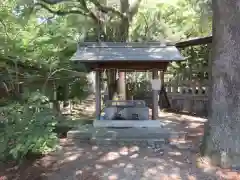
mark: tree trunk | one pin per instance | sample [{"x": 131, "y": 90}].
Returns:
[
  {"x": 111, "y": 83},
  {"x": 223, "y": 141},
  {"x": 163, "y": 98},
  {"x": 119, "y": 32},
  {"x": 123, "y": 37},
  {"x": 56, "y": 104}
]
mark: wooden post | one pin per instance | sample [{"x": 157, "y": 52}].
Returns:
[
  {"x": 155, "y": 97},
  {"x": 147, "y": 75},
  {"x": 122, "y": 85},
  {"x": 209, "y": 84},
  {"x": 162, "y": 98},
  {"x": 98, "y": 94},
  {"x": 167, "y": 87},
  {"x": 162, "y": 77}
]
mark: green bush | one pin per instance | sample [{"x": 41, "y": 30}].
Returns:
[{"x": 27, "y": 128}]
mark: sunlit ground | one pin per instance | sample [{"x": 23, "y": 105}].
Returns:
[
  {"x": 118, "y": 163},
  {"x": 172, "y": 162},
  {"x": 89, "y": 162},
  {"x": 178, "y": 161}
]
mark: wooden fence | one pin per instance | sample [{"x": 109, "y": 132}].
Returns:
[{"x": 188, "y": 96}]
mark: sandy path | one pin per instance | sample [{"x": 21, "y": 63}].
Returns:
[
  {"x": 87, "y": 162},
  {"x": 77, "y": 161},
  {"x": 84, "y": 161}
]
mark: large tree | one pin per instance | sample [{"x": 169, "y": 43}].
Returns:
[
  {"x": 111, "y": 24},
  {"x": 223, "y": 138}
]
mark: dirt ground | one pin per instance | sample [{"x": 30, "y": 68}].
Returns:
[{"x": 77, "y": 161}]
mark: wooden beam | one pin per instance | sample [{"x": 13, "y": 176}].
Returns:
[
  {"x": 194, "y": 42},
  {"x": 209, "y": 91},
  {"x": 130, "y": 66},
  {"x": 98, "y": 94},
  {"x": 155, "y": 97}
]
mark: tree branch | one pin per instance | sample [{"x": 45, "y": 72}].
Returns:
[
  {"x": 133, "y": 9},
  {"x": 53, "y": 1},
  {"x": 89, "y": 12},
  {"x": 147, "y": 25},
  {"x": 5, "y": 28},
  {"x": 60, "y": 13},
  {"x": 99, "y": 6},
  {"x": 106, "y": 9},
  {"x": 83, "y": 11},
  {"x": 97, "y": 20}
]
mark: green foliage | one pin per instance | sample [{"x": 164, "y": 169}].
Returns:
[
  {"x": 137, "y": 83},
  {"x": 36, "y": 37},
  {"x": 171, "y": 20},
  {"x": 36, "y": 45},
  {"x": 41, "y": 43},
  {"x": 195, "y": 66},
  {"x": 27, "y": 128},
  {"x": 78, "y": 89}
]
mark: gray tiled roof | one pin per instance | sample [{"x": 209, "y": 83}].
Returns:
[{"x": 111, "y": 51}]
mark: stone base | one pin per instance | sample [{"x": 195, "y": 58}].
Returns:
[
  {"x": 129, "y": 142},
  {"x": 127, "y": 136},
  {"x": 128, "y": 123}
]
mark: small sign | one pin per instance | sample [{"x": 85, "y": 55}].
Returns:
[{"x": 156, "y": 84}]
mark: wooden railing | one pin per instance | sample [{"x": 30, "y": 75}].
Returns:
[{"x": 188, "y": 96}]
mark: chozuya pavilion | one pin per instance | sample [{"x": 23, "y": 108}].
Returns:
[{"x": 126, "y": 57}]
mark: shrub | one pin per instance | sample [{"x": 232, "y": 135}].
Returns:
[{"x": 27, "y": 128}]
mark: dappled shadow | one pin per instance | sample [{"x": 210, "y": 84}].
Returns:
[
  {"x": 114, "y": 162},
  {"x": 191, "y": 126},
  {"x": 85, "y": 161},
  {"x": 184, "y": 113},
  {"x": 28, "y": 169},
  {"x": 76, "y": 115},
  {"x": 84, "y": 110}
]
